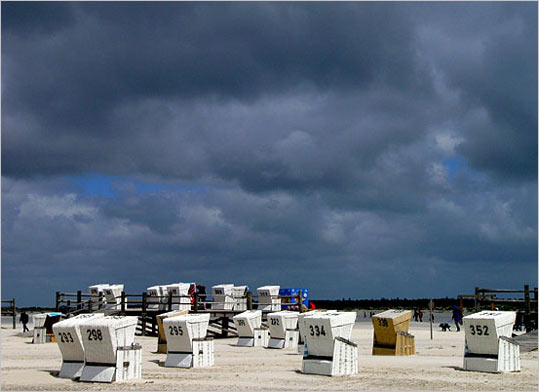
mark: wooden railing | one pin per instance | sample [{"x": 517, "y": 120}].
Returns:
[
  {"x": 79, "y": 302},
  {"x": 10, "y": 310},
  {"x": 483, "y": 296},
  {"x": 141, "y": 305}
]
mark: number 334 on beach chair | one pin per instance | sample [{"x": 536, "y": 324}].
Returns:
[{"x": 328, "y": 350}]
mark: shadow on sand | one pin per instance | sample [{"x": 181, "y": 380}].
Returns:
[
  {"x": 54, "y": 373},
  {"x": 158, "y": 362},
  {"x": 457, "y": 368}
]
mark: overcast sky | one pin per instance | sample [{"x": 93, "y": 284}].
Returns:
[{"x": 360, "y": 150}]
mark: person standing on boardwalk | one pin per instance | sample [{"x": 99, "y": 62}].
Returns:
[
  {"x": 24, "y": 320},
  {"x": 201, "y": 291},
  {"x": 518, "y": 321}
]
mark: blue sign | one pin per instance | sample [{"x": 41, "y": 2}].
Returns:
[{"x": 293, "y": 301}]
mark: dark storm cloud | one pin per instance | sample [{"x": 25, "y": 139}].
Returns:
[
  {"x": 229, "y": 235},
  {"x": 121, "y": 51},
  {"x": 112, "y": 56},
  {"x": 75, "y": 84},
  {"x": 336, "y": 142},
  {"x": 35, "y": 18},
  {"x": 493, "y": 65}
]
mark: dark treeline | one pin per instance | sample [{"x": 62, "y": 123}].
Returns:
[
  {"x": 380, "y": 303},
  {"x": 383, "y": 303}
]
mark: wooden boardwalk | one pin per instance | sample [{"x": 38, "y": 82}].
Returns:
[
  {"x": 220, "y": 326},
  {"x": 527, "y": 341},
  {"x": 221, "y": 320}
]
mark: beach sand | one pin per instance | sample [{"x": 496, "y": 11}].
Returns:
[{"x": 436, "y": 366}]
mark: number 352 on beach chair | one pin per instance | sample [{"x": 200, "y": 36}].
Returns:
[{"x": 488, "y": 344}]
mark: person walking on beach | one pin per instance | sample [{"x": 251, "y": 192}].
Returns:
[
  {"x": 457, "y": 317},
  {"x": 420, "y": 314},
  {"x": 24, "y": 320}
]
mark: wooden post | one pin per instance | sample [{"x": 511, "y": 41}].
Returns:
[
  {"x": 527, "y": 318},
  {"x": 169, "y": 302},
  {"x": 90, "y": 304},
  {"x": 224, "y": 330},
  {"x": 249, "y": 300},
  {"x": 14, "y": 306},
  {"x": 431, "y": 307},
  {"x": 100, "y": 300},
  {"x": 57, "y": 301},
  {"x": 79, "y": 299},
  {"x": 527, "y": 298},
  {"x": 143, "y": 324},
  {"x": 300, "y": 301},
  {"x": 122, "y": 304},
  {"x": 195, "y": 303},
  {"x": 477, "y": 300},
  {"x": 461, "y": 305},
  {"x": 144, "y": 301}
]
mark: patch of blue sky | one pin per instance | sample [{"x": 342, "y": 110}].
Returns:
[
  {"x": 94, "y": 184},
  {"x": 101, "y": 185},
  {"x": 454, "y": 165}
]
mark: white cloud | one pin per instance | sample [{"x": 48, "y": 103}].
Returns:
[
  {"x": 56, "y": 206},
  {"x": 447, "y": 142},
  {"x": 437, "y": 174}
]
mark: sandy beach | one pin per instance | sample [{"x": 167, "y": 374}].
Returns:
[
  {"x": 436, "y": 366},
  {"x": 266, "y": 155}
]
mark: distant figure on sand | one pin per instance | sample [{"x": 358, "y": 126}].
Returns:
[
  {"x": 420, "y": 314},
  {"x": 415, "y": 315},
  {"x": 457, "y": 317},
  {"x": 24, "y": 320}
]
